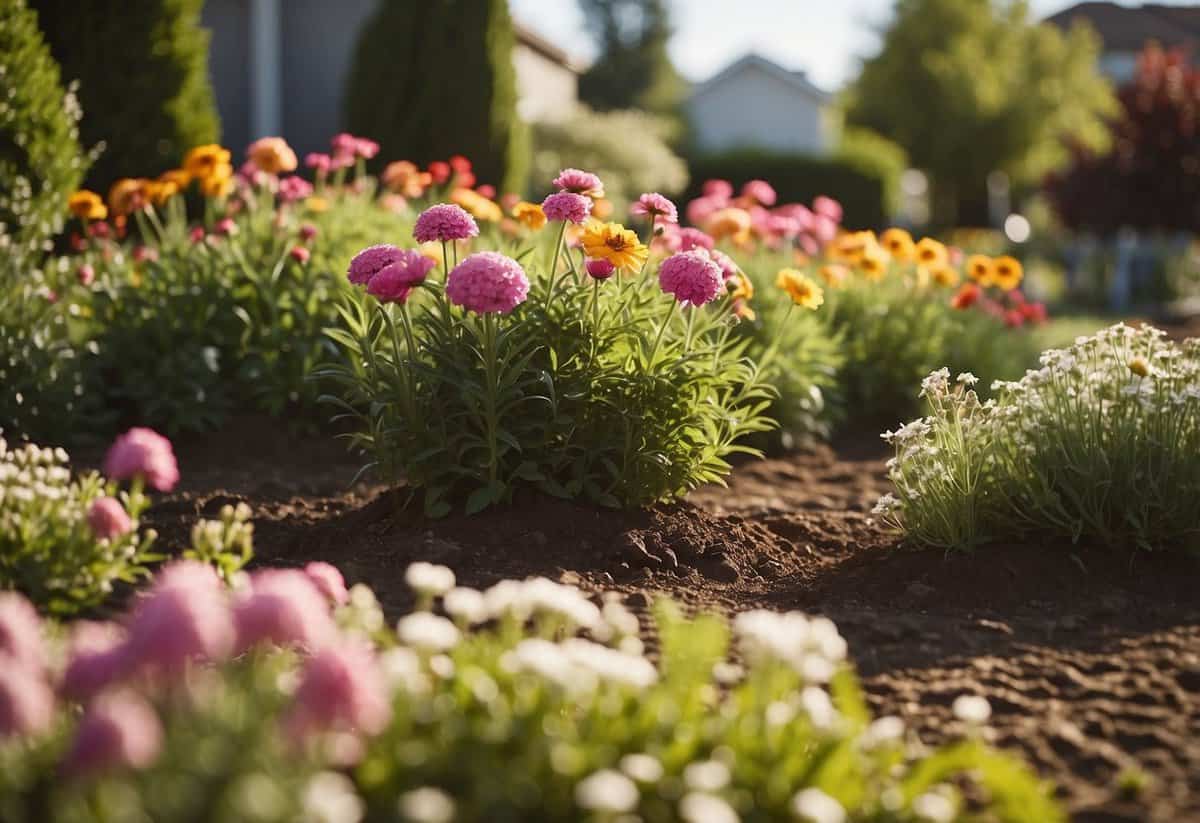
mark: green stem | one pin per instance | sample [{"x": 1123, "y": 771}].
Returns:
[
  {"x": 558, "y": 244},
  {"x": 658, "y": 338},
  {"x": 489, "y": 357}
]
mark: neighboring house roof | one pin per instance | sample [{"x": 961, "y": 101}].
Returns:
[
  {"x": 535, "y": 42},
  {"x": 1129, "y": 28},
  {"x": 796, "y": 79}
]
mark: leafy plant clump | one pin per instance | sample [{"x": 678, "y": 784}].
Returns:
[{"x": 1095, "y": 446}]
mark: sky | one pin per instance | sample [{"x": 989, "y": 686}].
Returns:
[{"x": 825, "y": 38}]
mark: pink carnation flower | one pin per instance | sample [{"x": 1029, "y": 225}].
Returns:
[
  {"x": 798, "y": 212},
  {"x": 328, "y": 580},
  {"x": 145, "y": 453},
  {"x": 368, "y": 262},
  {"x": 729, "y": 269},
  {"x": 393, "y": 282},
  {"x": 365, "y": 148},
  {"x": 828, "y": 207},
  {"x": 577, "y": 181},
  {"x": 691, "y": 276},
  {"x": 319, "y": 162},
  {"x": 487, "y": 282},
  {"x": 653, "y": 204},
  {"x": 444, "y": 222},
  {"x": 119, "y": 731},
  {"x": 344, "y": 143},
  {"x": 185, "y": 616},
  {"x": 341, "y": 688},
  {"x": 108, "y": 519},
  {"x": 98, "y": 658},
  {"x": 690, "y": 239},
  {"x": 600, "y": 269},
  {"x": 824, "y": 229},
  {"x": 718, "y": 189},
  {"x": 26, "y": 702},
  {"x": 293, "y": 188},
  {"x": 20, "y": 633},
  {"x": 284, "y": 608},
  {"x": 761, "y": 192},
  {"x": 567, "y": 207}
]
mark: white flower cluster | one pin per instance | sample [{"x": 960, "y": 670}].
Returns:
[
  {"x": 30, "y": 473},
  {"x": 811, "y": 646}
]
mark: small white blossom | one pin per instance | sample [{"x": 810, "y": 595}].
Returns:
[
  {"x": 607, "y": 791},
  {"x": 972, "y": 709},
  {"x": 429, "y": 579},
  {"x": 427, "y": 805},
  {"x": 427, "y": 632},
  {"x": 814, "y": 806}
]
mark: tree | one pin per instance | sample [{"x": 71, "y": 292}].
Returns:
[
  {"x": 633, "y": 70},
  {"x": 436, "y": 78},
  {"x": 969, "y": 87},
  {"x": 1151, "y": 178},
  {"x": 142, "y": 68},
  {"x": 40, "y": 158}
]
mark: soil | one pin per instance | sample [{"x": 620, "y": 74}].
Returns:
[{"x": 1091, "y": 660}]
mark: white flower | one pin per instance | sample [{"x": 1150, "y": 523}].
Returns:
[
  {"x": 607, "y": 791},
  {"x": 934, "y": 807},
  {"x": 936, "y": 383},
  {"x": 967, "y": 379},
  {"x": 427, "y": 805},
  {"x": 466, "y": 605},
  {"x": 972, "y": 709},
  {"x": 706, "y": 776},
  {"x": 697, "y": 807},
  {"x": 329, "y": 797},
  {"x": 814, "y": 806},
  {"x": 402, "y": 670},
  {"x": 643, "y": 768},
  {"x": 820, "y": 709},
  {"x": 882, "y": 732},
  {"x": 429, "y": 579},
  {"x": 427, "y": 632}
]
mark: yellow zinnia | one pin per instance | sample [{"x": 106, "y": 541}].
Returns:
[
  {"x": 944, "y": 274},
  {"x": 899, "y": 244},
  {"x": 980, "y": 269},
  {"x": 743, "y": 288},
  {"x": 850, "y": 247},
  {"x": 834, "y": 275},
  {"x": 530, "y": 215},
  {"x": 205, "y": 161},
  {"x": 801, "y": 288},
  {"x": 127, "y": 195},
  {"x": 874, "y": 262},
  {"x": 217, "y": 184},
  {"x": 177, "y": 176},
  {"x": 616, "y": 244},
  {"x": 160, "y": 191},
  {"x": 87, "y": 205},
  {"x": 930, "y": 252},
  {"x": 1007, "y": 272}
]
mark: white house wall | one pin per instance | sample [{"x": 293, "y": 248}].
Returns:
[
  {"x": 753, "y": 108},
  {"x": 546, "y": 90}
]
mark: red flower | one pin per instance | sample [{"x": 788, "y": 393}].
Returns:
[
  {"x": 1014, "y": 319},
  {"x": 439, "y": 171},
  {"x": 460, "y": 164},
  {"x": 966, "y": 296}
]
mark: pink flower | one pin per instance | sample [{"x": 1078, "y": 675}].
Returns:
[
  {"x": 283, "y": 607},
  {"x": 145, "y": 453},
  {"x": 798, "y": 212},
  {"x": 328, "y": 580},
  {"x": 293, "y": 188},
  {"x": 567, "y": 207},
  {"x": 196, "y": 234},
  {"x": 108, "y": 519},
  {"x": 51, "y": 296},
  {"x": 824, "y": 229},
  {"x": 98, "y": 658},
  {"x": 143, "y": 254},
  {"x": 702, "y": 208},
  {"x": 782, "y": 224},
  {"x": 487, "y": 282},
  {"x": 729, "y": 269},
  {"x": 344, "y": 143},
  {"x": 579, "y": 182},
  {"x": 761, "y": 192},
  {"x": 600, "y": 269},
  {"x": 118, "y": 731},
  {"x": 487, "y": 190},
  {"x": 87, "y": 274},
  {"x": 99, "y": 229},
  {"x": 26, "y": 702},
  {"x": 300, "y": 254},
  {"x": 439, "y": 170},
  {"x": 653, "y": 204},
  {"x": 691, "y": 276},
  {"x": 307, "y": 232},
  {"x": 828, "y": 207},
  {"x": 365, "y": 148},
  {"x": 690, "y": 239},
  {"x": 185, "y": 616},
  {"x": 718, "y": 189},
  {"x": 250, "y": 173},
  {"x": 444, "y": 222},
  {"x": 393, "y": 282},
  {"x": 225, "y": 227},
  {"x": 368, "y": 262},
  {"x": 20, "y": 633},
  {"x": 321, "y": 163},
  {"x": 341, "y": 688}
]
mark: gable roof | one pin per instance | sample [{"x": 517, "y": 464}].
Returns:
[
  {"x": 535, "y": 42},
  {"x": 1129, "y": 28},
  {"x": 796, "y": 79}
]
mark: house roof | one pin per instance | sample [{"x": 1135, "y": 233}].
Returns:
[
  {"x": 1129, "y": 28},
  {"x": 796, "y": 79},
  {"x": 535, "y": 42}
]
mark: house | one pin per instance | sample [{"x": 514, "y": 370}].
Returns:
[
  {"x": 754, "y": 103},
  {"x": 277, "y": 73},
  {"x": 1125, "y": 31}
]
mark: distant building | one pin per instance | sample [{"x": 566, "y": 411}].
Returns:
[
  {"x": 754, "y": 103},
  {"x": 1125, "y": 31},
  {"x": 277, "y": 73}
]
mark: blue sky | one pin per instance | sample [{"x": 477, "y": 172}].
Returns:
[{"x": 826, "y": 38}]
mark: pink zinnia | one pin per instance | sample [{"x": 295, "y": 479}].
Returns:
[
  {"x": 798, "y": 212},
  {"x": 344, "y": 143},
  {"x": 690, "y": 239},
  {"x": 145, "y": 453},
  {"x": 284, "y": 608},
  {"x": 26, "y": 702},
  {"x": 321, "y": 163},
  {"x": 368, "y": 262},
  {"x": 824, "y": 229},
  {"x": 185, "y": 616},
  {"x": 600, "y": 269},
  {"x": 20, "y": 633},
  {"x": 718, "y": 189},
  {"x": 97, "y": 657},
  {"x": 300, "y": 254},
  {"x": 691, "y": 276},
  {"x": 653, "y": 204},
  {"x": 341, "y": 688},
  {"x": 197, "y": 234},
  {"x": 293, "y": 188},
  {"x": 87, "y": 274},
  {"x": 108, "y": 519},
  {"x": 225, "y": 226},
  {"x": 487, "y": 282},
  {"x": 487, "y": 190},
  {"x": 393, "y": 282},
  {"x": 365, "y": 148},
  {"x": 578, "y": 181},
  {"x": 328, "y": 580},
  {"x": 444, "y": 222},
  {"x": 729, "y": 269},
  {"x": 761, "y": 192},
  {"x": 119, "y": 731},
  {"x": 702, "y": 208},
  {"x": 567, "y": 207},
  {"x": 828, "y": 207}
]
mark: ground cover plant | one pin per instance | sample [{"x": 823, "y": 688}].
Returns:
[{"x": 1096, "y": 446}]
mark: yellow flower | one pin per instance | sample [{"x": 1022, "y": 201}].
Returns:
[
  {"x": 160, "y": 191},
  {"x": 87, "y": 205},
  {"x": 850, "y": 247},
  {"x": 1139, "y": 366},
  {"x": 834, "y": 275},
  {"x": 943, "y": 274},
  {"x": 899, "y": 244},
  {"x": 127, "y": 195},
  {"x": 177, "y": 176},
  {"x": 930, "y": 252},
  {"x": 980, "y": 269},
  {"x": 874, "y": 262},
  {"x": 217, "y": 184},
  {"x": 530, "y": 215},
  {"x": 602, "y": 208},
  {"x": 205, "y": 161},
  {"x": 316, "y": 204},
  {"x": 616, "y": 244},
  {"x": 1007, "y": 272},
  {"x": 479, "y": 206},
  {"x": 742, "y": 310},
  {"x": 743, "y": 287},
  {"x": 801, "y": 288},
  {"x": 732, "y": 223}
]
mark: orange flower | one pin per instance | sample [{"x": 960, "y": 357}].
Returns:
[
  {"x": 834, "y": 275},
  {"x": 530, "y": 215},
  {"x": 980, "y": 269},
  {"x": 219, "y": 183},
  {"x": 87, "y": 205},
  {"x": 742, "y": 310},
  {"x": 160, "y": 191},
  {"x": 899, "y": 244},
  {"x": 616, "y": 244},
  {"x": 479, "y": 206},
  {"x": 205, "y": 161},
  {"x": 930, "y": 252},
  {"x": 743, "y": 287},
  {"x": 874, "y": 262},
  {"x": 1007, "y": 272},
  {"x": 404, "y": 178},
  {"x": 602, "y": 208},
  {"x": 272, "y": 155},
  {"x": 944, "y": 274},
  {"x": 128, "y": 195},
  {"x": 851, "y": 246},
  {"x": 730, "y": 222}
]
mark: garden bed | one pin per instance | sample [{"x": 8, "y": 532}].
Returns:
[{"x": 1091, "y": 661}]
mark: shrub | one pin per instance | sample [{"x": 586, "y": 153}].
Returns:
[
  {"x": 1095, "y": 446},
  {"x": 550, "y": 711},
  {"x": 628, "y": 149},
  {"x": 875, "y": 156},
  {"x": 143, "y": 79},
  {"x": 40, "y": 158},
  {"x": 440, "y": 76}
]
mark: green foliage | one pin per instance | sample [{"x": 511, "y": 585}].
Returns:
[
  {"x": 142, "y": 70},
  {"x": 633, "y": 69},
  {"x": 861, "y": 189},
  {"x": 968, "y": 87},
  {"x": 40, "y": 159},
  {"x": 1095, "y": 446},
  {"x": 875, "y": 156},
  {"x": 628, "y": 149},
  {"x": 47, "y": 548},
  {"x": 437, "y": 78}
]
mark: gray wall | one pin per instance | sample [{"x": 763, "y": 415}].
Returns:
[{"x": 229, "y": 67}]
